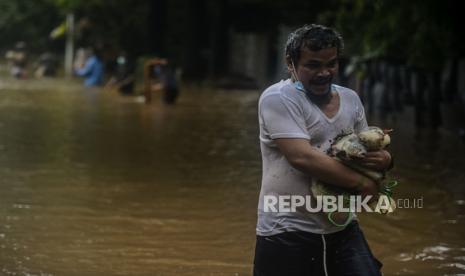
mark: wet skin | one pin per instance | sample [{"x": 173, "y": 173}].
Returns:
[{"x": 316, "y": 69}]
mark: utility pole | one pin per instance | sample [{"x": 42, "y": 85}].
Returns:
[{"x": 69, "y": 50}]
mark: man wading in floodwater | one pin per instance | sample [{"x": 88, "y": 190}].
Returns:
[{"x": 299, "y": 118}]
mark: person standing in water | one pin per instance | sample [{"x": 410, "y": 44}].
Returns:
[
  {"x": 92, "y": 70},
  {"x": 298, "y": 119}
]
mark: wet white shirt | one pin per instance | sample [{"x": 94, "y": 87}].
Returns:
[{"x": 285, "y": 112}]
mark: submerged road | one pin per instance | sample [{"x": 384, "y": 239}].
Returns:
[{"x": 92, "y": 183}]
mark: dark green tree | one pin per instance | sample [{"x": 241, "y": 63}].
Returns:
[{"x": 28, "y": 21}]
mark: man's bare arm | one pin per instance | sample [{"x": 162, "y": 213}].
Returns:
[{"x": 302, "y": 156}]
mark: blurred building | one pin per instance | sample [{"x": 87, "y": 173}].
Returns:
[{"x": 238, "y": 42}]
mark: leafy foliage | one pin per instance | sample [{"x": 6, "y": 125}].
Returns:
[
  {"x": 421, "y": 33},
  {"x": 19, "y": 22}
]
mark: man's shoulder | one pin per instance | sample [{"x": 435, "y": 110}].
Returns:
[
  {"x": 276, "y": 87},
  {"x": 281, "y": 90},
  {"x": 346, "y": 91}
]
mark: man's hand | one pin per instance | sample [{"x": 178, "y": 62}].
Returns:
[
  {"x": 377, "y": 160},
  {"x": 368, "y": 187}
]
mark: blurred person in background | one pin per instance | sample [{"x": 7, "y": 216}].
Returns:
[
  {"x": 17, "y": 60},
  {"x": 160, "y": 75},
  {"x": 169, "y": 83},
  {"x": 92, "y": 70},
  {"x": 46, "y": 66},
  {"x": 123, "y": 78}
]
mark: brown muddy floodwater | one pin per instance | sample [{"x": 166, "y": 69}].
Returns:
[{"x": 92, "y": 183}]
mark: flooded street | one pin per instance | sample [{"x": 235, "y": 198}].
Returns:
[{"x": 92, "y": 183}]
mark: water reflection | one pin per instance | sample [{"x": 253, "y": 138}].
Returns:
[{"x": 96, "y": 184}]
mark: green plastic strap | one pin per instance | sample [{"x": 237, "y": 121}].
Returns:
[
  {"x": 349, "y": 219},
  {"x": 387, "y": 191},
  {"x": 346, "y": 198}
]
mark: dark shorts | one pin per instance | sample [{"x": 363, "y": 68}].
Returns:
[{"x": 302, "y": 254}]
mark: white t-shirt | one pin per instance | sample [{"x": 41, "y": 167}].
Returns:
[{"x": 285, "y": 112}]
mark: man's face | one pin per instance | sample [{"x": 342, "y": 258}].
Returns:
[{"x": 316, "y": 69}]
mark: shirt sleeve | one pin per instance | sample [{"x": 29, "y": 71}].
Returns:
[
  {"x": 360, "y": 118},
  {"x": 85, "y": 71},
  {"x": 282, "y": 118}
]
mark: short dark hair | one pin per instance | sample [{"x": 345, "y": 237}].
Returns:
[{"x": 314, "y": 37}]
